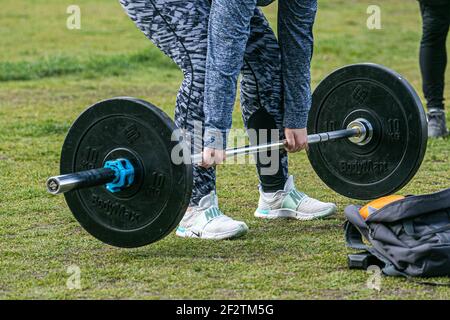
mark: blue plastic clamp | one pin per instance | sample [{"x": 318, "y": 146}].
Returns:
[{"x": 124, "y": 172}]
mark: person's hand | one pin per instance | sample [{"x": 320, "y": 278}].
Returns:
[
  {"x": 212, "y": 157},
  {"x": 296, "y": 139}
]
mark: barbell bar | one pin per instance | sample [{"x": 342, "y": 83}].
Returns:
[{"x": 358, "y": 131}]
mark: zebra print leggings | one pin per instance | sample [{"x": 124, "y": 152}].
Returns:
[{"x": 179, "y": 28}]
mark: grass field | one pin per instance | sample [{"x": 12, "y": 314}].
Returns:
[{"x": 49, "y": 74}]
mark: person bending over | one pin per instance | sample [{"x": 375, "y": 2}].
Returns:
[
  {"x": 213, "y": 42},
  {"x": 433, "y": 61}
]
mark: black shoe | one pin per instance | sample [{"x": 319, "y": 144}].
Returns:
[{"x": 436, "y": 123}]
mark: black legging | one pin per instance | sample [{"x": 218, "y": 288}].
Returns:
[{"x": 433, "y": 54}]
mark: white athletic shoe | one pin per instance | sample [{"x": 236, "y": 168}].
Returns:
[
  {"x": 289, "y": 203},
  {"x": 206, "y": 221}
]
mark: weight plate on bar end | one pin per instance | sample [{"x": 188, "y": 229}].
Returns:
[
  {"x": 154, "y": 205},
  {"x": 393, "y": 155}
]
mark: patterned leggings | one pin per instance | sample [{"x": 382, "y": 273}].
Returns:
[{"x": 179, "y": 28}]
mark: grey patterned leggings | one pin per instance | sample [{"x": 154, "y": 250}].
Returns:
[{"x": 179, "y": 28}]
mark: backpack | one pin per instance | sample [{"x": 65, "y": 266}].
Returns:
[{"x": 410, "y": 237}]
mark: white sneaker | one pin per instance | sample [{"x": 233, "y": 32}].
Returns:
[
  {"x": 289, "y": 203},
  {"x": 206, "y": 221}
]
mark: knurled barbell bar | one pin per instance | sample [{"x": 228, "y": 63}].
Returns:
[{"x": 121, "y": 184}]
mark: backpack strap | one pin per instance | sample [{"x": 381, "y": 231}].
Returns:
[
  {"x": 353, "y": 238},
  {"x": 428, "y": 283},
  {"x": 390, "y": 270},
  {"x": 355, "y": 228},
  {"x": 408, "y": 226},
  {"x": 437, "y": 230}
]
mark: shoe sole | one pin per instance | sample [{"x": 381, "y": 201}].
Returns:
[
  {"x": 213, "y": 236},
  {"x": 292, "y": 214}
]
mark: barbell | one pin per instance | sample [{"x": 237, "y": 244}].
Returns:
[
  {"x": 118, "y": 174},
  {"x": 122, "y": 185}
]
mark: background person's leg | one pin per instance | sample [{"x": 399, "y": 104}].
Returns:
[
  {"x": 262, "y": 99},
  {"x": 179, "y": 29},
  {"x": 433, "y": 54}
]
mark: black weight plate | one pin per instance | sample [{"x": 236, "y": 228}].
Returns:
[
  {"x": 393, "y": 156},
  {"x": 151, "y": 208}
]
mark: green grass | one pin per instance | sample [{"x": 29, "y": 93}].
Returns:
[
  {"x": 49, "y": 74},
  {"x": 93, "y": 67}
]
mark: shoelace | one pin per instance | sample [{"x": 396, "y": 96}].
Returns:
[{"x": 435, "y": 115}]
